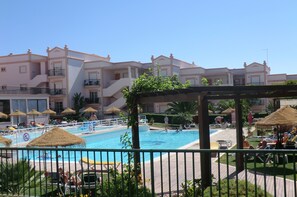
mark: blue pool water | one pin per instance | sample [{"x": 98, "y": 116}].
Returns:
[
  {"x": 82, "y": 129},
  {"x": 111, "y": 140},
  {"x": 148, "y": 139},
  {"x": 27, "y": 136}
]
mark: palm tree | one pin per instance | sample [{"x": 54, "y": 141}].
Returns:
[
  {"x": 182, "y": 107},
  {"x": 184, "y": 111},
  {"x": 78, "y": 101},
  {"x": 19, "y": 178}
]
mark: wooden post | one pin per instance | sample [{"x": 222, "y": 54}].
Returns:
[
  {"x": 204, "y": 140},
  {"x": 239, "y": 135}
]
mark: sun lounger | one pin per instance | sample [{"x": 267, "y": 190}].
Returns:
[
  {"x": 214, "y": 146},
  {"x": 106, "y": 165},
  {"x": 224, "y": 144}
]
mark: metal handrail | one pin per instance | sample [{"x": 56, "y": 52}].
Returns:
[{"x": 162, "y": 171}]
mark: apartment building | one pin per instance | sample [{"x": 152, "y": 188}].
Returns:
[
  {"x": 23, "y": 83},
  {"x": 31, "y": 81}
]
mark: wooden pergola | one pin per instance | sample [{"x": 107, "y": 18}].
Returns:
[{"x": 203, "y": 94}]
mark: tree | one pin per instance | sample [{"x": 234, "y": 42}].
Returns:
[
  {"x": 18, "y": 178},
  {"x": 218, "y": 82},
  {"x": 78, "y": 101},
  {"x": 148, "y": 83},
  {"x": 225, "y": 104},
  {"x": 184, "y": 110},
  {"x": 245, "y": 105},
  {"x": 204, "y": 81},
  {"x": 291, "y": 82},
  {"x": 182, "y": 107}
]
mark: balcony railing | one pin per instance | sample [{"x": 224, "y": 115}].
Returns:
[
  {"x": 91, "y": 82},
  {"x": 159, "y": 173},
  {"x": 255, "y": 83},
  {"x": 92, "y": 100},
  {"x": 23, "y": 90},
  {"x": 57, "y": 91},
  {"x": 56, "y": 72}
]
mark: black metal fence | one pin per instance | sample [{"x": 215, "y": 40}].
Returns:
[{"x": 106, "y": 172}]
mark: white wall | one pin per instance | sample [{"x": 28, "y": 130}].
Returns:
[
  {"x": 12, "y": 75},
  {"x": 75, "y": 78}
]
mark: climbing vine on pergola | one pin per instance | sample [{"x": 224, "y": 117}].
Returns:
[
  {"x": 146, "y": 83},
  {"x": 149, "y": 83}
]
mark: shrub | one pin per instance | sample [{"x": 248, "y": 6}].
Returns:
[
  {"x": 221, "y": 189},
  {"x": 123, "y": 184},
  {"x": 244, "y": 189}
]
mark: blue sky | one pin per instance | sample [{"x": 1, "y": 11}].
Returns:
[{"x": 212, "y": 33}]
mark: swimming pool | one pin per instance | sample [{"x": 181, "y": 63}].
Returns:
[
  {"x": 26, "y": 136},
  {"x": 157, "y": 139},
  {"x": 83, "y": 129}
]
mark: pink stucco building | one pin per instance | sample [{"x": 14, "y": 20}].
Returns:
[{"x": 32, "y": 81}]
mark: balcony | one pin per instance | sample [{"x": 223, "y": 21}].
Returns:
[
  {"x": 56, "y": 72},
  {"x": 91, "y": 82},
  {"x": 92, "y": 100},
  {"x": 23, "y": 90},
  {"x": 255, "y": 83},
  {"x": 57, "y": 91}
]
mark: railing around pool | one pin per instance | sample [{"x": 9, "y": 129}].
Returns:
[{"x": 110, "y": 172}]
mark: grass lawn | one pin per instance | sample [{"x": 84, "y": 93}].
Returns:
[{"x": 255, "y": 165}]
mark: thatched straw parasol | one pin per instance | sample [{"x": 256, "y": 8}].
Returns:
[
  {"x": 5, "y": 141},
  {"x": 17, "y": 114},
  {"x": 68, "y": 111},
  {"x": 228, "y": 111},
  {"x": 56, "y": 137},
  {"x": 285, "y": 116},
  {"x": 34, "y": 113},
  {"x": 90, "y": 110},
  {"x": 3, "y": 115},
  {"x": 112, "y": 110},
  {"x": 49, "y": 112}
]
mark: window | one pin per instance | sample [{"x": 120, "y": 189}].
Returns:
[
  {"x": 117, "y": 76},
  {"x": 93, "y": 97},
  {"x": 93, "y": 75},
  {"x": 125, "y": 75},
  {"x": 57, "y": 65},
  {"x": 255, "y": 80},
  {"x": 57, "y": 68},
  {"x": 38, "y": 104},
  {"x": 23, "y": 69},
  {"x": 3, "y": 69},
  {"x": 164, "y": 72},
  {"x": 58, "y": 106},
  {"x": 192, "y": 81},
  {"x": 4, "y": 87}
]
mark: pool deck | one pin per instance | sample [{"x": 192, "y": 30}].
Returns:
[{"x": 220, "y": 171}]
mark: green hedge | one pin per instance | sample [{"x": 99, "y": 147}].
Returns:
[{"x": 172, "y": 118}]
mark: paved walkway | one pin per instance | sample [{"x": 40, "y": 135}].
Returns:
[{"x": 186, "y": 166}]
